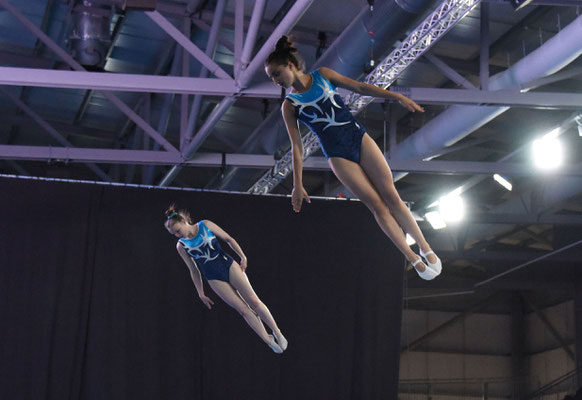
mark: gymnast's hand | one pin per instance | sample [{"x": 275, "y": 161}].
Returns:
[
  {"x": 297, "y": 196},
  {"x": 207, "y": 301},
  {"x": 409, "y": 104},
  {"x": 243, "y": 264}
]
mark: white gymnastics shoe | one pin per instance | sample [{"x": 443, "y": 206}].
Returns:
[
  {"x": 274, "y": 346},
  {"x": 283, "y": 343},
  {"x": 437, "y": 266},
  {"x": 428, "y": 274}
]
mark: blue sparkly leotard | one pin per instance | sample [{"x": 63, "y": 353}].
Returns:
[
  {"x": 209, "y": 256},
  {"x": 322, "y": 109}
]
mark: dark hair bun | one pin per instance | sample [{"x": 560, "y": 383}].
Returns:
[
  {"x": 284, "y": 53},
  {"x": 283, "y": 44}
]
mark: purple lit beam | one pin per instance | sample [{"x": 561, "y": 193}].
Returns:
[
  {"x": 47, "y": 127},
  {"x": 76, "y": 154},
  {"x": 130, "y": 82},
  {"x": 51, "y": 44},
  {"x": 187, "y": 44}
]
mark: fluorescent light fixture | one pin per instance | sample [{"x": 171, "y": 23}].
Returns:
[
  {"x": 452, "y": 207},
  {"x": 580, "y": 130},
  {"x": 547, "y": 153},
  {"x": 435, "y": 219},
  {"x": 503, "y": 182},
  {"x": 410, "y": 240}
]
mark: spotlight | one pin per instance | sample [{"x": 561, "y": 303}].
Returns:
[
  {"x": 435, "y": 219},
  {"x": 452, "y": 207},
  {"x": 547, "y": 153},
  {"x": 503, "y": 182}
]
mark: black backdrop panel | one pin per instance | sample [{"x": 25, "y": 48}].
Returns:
[{"x": 95, "y": 302}]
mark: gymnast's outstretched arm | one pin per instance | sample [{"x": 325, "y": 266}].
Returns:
[{"x": 366, "y": 89}]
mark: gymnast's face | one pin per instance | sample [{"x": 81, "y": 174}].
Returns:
[
  {"x": 178, "y": 229},
  {"x": 281, "y": 75}
]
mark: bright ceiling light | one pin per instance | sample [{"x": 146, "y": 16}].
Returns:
[
  {"x": 435, "y": 219},
  {"x": 547, "y": 153},
  {"x": 503, "y": 182},
  {"x": 452, "y": 207},
  {"x": 554, "y": 133}
]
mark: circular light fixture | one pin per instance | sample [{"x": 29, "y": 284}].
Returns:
[
  {"x": 452, "y": 208},
  {"x": 547, "y": 153}
]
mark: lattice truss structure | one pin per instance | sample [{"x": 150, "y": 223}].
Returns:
[{"x": 435, "y": 26}]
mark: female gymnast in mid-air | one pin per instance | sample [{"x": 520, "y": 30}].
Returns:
[
  {"x": 198, "y": 247},
  {"x": 352, "y": 154}
]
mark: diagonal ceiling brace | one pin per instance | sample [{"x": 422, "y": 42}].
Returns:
[
  {"x": 52, "y": 131},
  {"x": 550, "y": 327},
  {"x": 78, "y": 67},
  {"x": 187, "y": 44},
  {"x": 446, "y": 325},
  {"x": 244, "y": 79}
]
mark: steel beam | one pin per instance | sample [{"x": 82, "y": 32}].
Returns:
[
  {"x": 165, "y": 113},
  {"x": 449, "y": 72},
  {"x": 321, "y": 164},
  {"x": 225, "y": 87},
  {"x": 511, "y": 98},
  {"x": 76, "y": 66},
  {"x": 523, "y": 265},
  {"x": 300, "y": 35},
  {"x": 47, "y": 127},
  {"x": 243, "y": 81},
  {"x": 207, "y": 28},
  {"x": 118, "y": 82},
  {"x": 251, "y": 37},
  {"x": 557, "y": 77},
  {"x": 66, "y": 129},
  {"x": 239, "y": 20},
  {"x": 187, "y": 44},
  {"x": 446, "y": 325},
  {"x": 76, "y": 154},
  {"x": 185, "y": 72},
  {"x": 550, "y": 327},
  {"x": 210, "y": 51}
]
